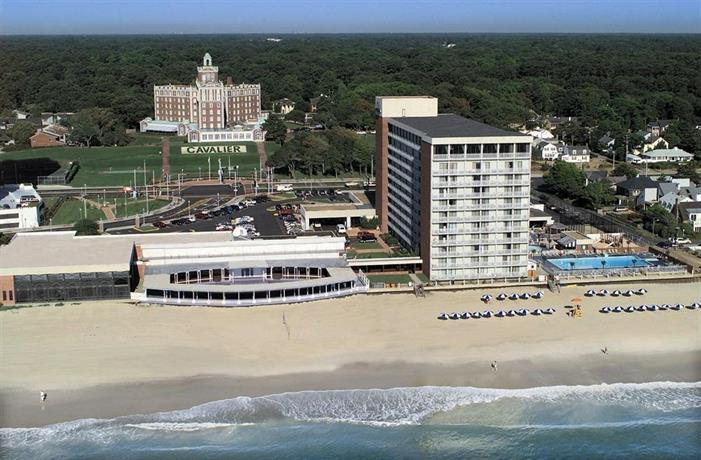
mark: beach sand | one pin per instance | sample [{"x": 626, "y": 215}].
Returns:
[{"x": 104, "y": 359}]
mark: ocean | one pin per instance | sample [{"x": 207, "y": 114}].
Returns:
[{"x": 647, "y": 420}]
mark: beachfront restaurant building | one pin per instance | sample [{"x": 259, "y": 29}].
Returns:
[
  {"x": 247, "y": 272},
  {"x": 208, "y": 268}
]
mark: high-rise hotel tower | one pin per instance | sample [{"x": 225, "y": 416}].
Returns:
[{"x": 455, "y": 190}]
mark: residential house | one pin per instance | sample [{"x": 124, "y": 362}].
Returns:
[
  {"x": 554, "y": 122},
  {"x": 21, "y": 114},
  {"x": 675, "y": 155},
  {"x": 545, "y": 151},
  {"x": 54, "y": 118},
  {"x": 658, "y": 127},
  {"x": 606, "y": 142},
  {"x": 642, "y": 189},
  {"x": 595, "y": 176},
  {"x": 539, "y": 133},
  {"x": 575, "y": 154},
  {"x": 284, "y": 106},
  {"x": 44, "y": 139},
  {"x": 690, "y": 212},
  {"x": 651, "y": 142}
]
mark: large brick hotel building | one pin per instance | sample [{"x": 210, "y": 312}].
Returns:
[{"x": 209, "y": 103}]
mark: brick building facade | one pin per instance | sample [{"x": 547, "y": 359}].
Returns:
[{"x": 209, "y": 103}]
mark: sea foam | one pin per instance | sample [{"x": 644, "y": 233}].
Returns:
[{"x": 376, "y": 407}]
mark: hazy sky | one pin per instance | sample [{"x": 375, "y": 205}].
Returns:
[{"x": 337, "y": 16}]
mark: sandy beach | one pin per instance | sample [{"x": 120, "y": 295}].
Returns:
[{"x": 104, "y": 359}]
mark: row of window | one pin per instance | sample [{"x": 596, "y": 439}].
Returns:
[
  {"x": 404, "y": 134},
  {"x": 462, "y": 149},
  {"x": 250, "y": 295}
]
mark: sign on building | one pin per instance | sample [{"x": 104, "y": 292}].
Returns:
[{"x": 192, "y": 149}]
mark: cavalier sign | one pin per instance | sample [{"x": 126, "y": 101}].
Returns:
[{"x": 213, "y": 149}]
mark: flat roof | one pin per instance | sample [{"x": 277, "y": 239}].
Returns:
[
  {"x": 451, "y": 125},
  {"x": 40, "y": 253}
]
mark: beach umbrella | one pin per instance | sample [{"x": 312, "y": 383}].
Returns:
[
  {"x": 605, "y": 310},
  {"x": 525, "y": 296},
  {"x": 549, "y": 311},
  {"x": 523, "y": 312},
  {"x": 486, "y": 314},
  {"x": 641, "y": 291},
  {"x": 510, "y": 313},
  {"x": 465, "y": 315},
  {"x": 652, "y": 307},
  {"x": 590, "y": 293},
  {"x": 477, "y": 314},
  {"x": 664, "y": 306},
  {"x": 501, "y": 296},
  {"x": 617, "y": 309},
  {"x": 677, "y": 307},
  {"x": 538, "y": 295},
  {"x": 628, "y": 293},
  {"x": 694, "y": 306},
  {"x": 616, "y": 293},
  {"x": 603, "y": 292},
  {"x": 499, "y": 314},
  {"x": 641, "y": 308},
  {"x": 513, "y": 296},
  {"x": 443, "y": 316},
  {"x": 537, "y": 312},
  {"x": 630, "y": 309}
]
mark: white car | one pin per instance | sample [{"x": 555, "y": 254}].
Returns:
[
  {"x": 680, "y": 240},
  {"x": 341, "y": 229}
]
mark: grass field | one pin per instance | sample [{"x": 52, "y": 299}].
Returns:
[
  {"x": 71, "y": 211},
  {"x": 366, "y": 255},
  {"x": 389, "y": 279},
  {"x": 370, "y": 245},
  {"x": 136, "y": 207},
  {"x": 104, "y": 166}
]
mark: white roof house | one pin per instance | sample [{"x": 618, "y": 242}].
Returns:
[{"x": 676, "y": 155}]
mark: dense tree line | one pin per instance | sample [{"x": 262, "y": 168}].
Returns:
[{"x": 616, "y": 82}]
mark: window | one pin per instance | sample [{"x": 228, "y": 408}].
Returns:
[
  {"x": 474, "y": 148},
  {"x": 489, "y": 148}
]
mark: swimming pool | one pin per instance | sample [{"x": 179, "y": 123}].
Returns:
[{"x": 597, "y": 263}]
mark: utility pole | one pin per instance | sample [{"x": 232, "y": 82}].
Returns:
[
  {"x": 134, "y": 183},
  {"x": 209, "y": 168},
  {"x": 146, "y": 186}
]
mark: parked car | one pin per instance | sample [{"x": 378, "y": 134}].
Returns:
[
  {"x": 680, "y": 240},
  {"x": 160, "y": 224},
  {"x": 341, "y": 229},
  {"x": 366, "y": 237},
  {"x": 665, "y": 244}
]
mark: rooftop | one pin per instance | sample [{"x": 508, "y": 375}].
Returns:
[
  {"x": 64, "y": 252},
  {"x": 450, "y": 125}
]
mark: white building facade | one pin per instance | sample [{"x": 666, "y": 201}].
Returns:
[
  {"x": 458, "y": 192},
  {"x": 20, "y": 207}
]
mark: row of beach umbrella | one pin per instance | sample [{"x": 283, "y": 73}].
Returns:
[
  {"x": 513, "y": 296},
  {"x": 616, "y": 293},
  {"x": 653, "y": 307},
  {"x": 496, "y": 314}
]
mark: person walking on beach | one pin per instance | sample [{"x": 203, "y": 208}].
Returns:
[
  {"x": 42, "y": 396},
  {"x": 605, "y": 350},
  {"x": 494, "y": 366}
]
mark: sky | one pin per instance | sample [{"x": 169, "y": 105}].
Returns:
[{"x": 272, "y": 17}]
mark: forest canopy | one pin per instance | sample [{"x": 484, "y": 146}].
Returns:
[{"x": 615, "y": 81}]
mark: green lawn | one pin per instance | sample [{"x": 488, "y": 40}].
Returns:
[
  {"x": 389, "y": 279},
  {"x": 136, "y": 207},
  {"x": 103, "y": 166},
  {"x": 366, "y": 255},
  {"x": 71, "y": 211},
  {"x": 358, "y": 245}
]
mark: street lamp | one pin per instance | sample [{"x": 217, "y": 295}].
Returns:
[{"x": 199, "y": 174}]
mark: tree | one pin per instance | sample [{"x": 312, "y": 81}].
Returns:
[
  {"x": 659, "y": 221},
  {"x": 598, "y": 194},
  {"x": 295, "y": 115},
  {"x": 96, "y": 126},
  {"x": 689, "y": 170},
  {"x": 625, "y": 169},
  {"x": 565, "y": 180},
  {"x": 22, "y": 131},
  {"x": 85, "y": 227},
  {"x": 275, "y": 129}
]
